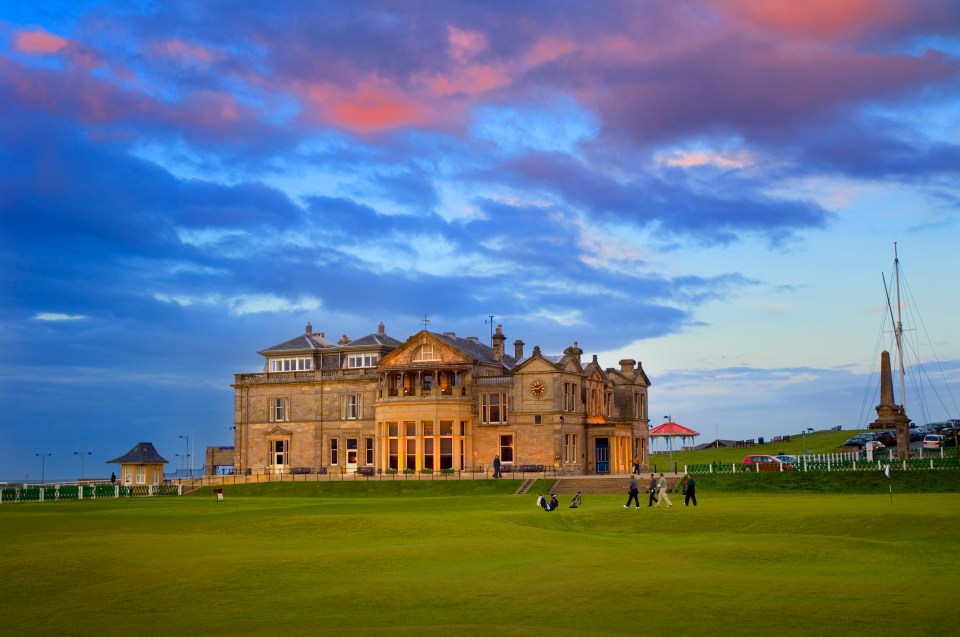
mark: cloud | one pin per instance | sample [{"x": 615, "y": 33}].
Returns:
[
  {"x": 38, "y": 42},
  {"x": 57, "y": 316}
]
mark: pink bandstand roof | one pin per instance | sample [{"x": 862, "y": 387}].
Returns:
[{"x": 673, "y": 430}]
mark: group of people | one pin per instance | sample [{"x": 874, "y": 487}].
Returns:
[
  {"x": 658, "y": 491},
  {"x": 552, "y": 503}
]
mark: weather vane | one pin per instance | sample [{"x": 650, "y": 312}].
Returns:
[
  {"x": 425, "y": 321},
  {"x": 491, "y": 328}
]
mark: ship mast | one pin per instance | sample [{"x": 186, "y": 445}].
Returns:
[{"x": 898, "y": 331}]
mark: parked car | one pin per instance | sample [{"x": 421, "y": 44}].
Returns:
[
  {"x": 915, "y": 434},
  {"x": 791, "y": 460},
  {"x": 888, "y": 438},
  {"x": 950, "y": 436},
  {"x": 764, "y": 463},
  {"x": 860, "y": 440},
  {"x": 932, "y": 441}
]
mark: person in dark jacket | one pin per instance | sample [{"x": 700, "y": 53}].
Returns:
[
  {"x": 690, "y": 490},
  {"x": 496, "y": 467},
  {"x": 653, "y": 489},
  {"x": 634, "y": 492}
]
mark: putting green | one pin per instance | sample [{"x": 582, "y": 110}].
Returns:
[{"x": 376, "y": 562}]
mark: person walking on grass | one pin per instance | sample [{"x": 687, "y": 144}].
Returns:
[
  {"x": 634, "y": 492},
  {"x": 636, "y": 465},
  {"x": 662, "y": 486},
  {"x": 653, "y": 489},
  {"x": 690, "y": 491}
]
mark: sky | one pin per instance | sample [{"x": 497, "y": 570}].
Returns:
[{"x": 712, "y": 188}]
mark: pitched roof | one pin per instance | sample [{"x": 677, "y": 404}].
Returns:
[
  {"x": 375, "y": 340},
  {"x": 142, "y": 453},
  {"x": 475, "y": 349},
  {"x": 307, "y": 341}
]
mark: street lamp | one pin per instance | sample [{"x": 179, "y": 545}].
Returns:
[
  {"x": 187, "y": 449},
  {"x": 43, "y": 466},
  {"x": 82, "y": 454},
  {"x": 183, "y": 457}
]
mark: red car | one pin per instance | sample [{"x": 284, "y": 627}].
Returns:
[{"x": 764, "y": 463}]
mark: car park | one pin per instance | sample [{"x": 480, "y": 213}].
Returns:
[
  {"x": 932, "y": 441},
  {"x": 764, "y": 463}
]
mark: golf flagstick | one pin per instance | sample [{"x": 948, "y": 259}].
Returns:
[{"x": 886, "y": 470}]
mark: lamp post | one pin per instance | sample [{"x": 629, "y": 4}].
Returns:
[
  {"x": 187, "y": 449},
  {"x": 668, "y": 418},
  {"x": 43, "y": 466},
  {"x": 82, "y": 454},
  {"x": 183, "y": 457}
]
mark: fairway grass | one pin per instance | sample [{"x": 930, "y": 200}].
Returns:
[{"x": 376, "y": 561}]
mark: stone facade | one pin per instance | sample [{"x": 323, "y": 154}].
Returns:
[{"x": 435, "y": 402}]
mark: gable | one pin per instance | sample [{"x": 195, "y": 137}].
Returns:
[{"x": 425, "y": 349}]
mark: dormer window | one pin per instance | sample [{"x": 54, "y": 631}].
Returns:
[
  {"x": 300, "y": 363},
  {"x": 425, "y": 353},
  {"x": 366, "y": 359}
]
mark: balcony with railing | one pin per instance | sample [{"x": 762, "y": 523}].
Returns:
[
  {"x": 422, "y": 393},
  {"x": 316, "y": 375}
]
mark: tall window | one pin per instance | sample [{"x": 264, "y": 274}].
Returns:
[
  {"x": 368, "y": 456},
  {"x": 279, "y": 409},
  {"x": 493, "y": 408},
  {"x": 569, "y": 396},
  {"x": 393, "y": 445},
  {"x": 351, "y": 406},
  {"x": 571, "y": 448},
  {"x": 334, "y": 451},
  {"x": 446, "y": 444},
  {"x": 141, "y": 474}
]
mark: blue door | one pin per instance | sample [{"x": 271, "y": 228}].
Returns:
[{"x": 603, "y": 455}]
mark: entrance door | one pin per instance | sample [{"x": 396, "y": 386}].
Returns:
[
  {"x": 603, "y": 455},
  {"x": 352, "y": 451}
]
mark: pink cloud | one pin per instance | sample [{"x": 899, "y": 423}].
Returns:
[
  {"x": 370, "y": 108},
  {"x": 38, "y": 42},
  {"x": 818, "y": 19}
]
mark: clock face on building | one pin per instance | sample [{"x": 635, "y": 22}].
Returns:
[{"x": 537, "y": 388}]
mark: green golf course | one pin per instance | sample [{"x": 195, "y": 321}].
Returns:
[{"x": 472, "y": 558}]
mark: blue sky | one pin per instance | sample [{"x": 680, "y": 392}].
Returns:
[{"x": 711, "y": 188}]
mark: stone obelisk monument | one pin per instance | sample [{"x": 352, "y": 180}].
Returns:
[{"x": 889, "y": 415}]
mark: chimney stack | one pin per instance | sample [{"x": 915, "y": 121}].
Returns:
[
  {"x": 518, "y": 349},
  {"x": 627, "y": 366},
  {"x": 498, "y": 339},
  {"x": 309, "y": 328}
]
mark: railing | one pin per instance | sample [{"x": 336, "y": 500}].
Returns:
[
  {"x": 417, "y": 393},
  {"x": 56, "y": 492},
  {"x": 304, "y": 376},
  {"x": 493, "y": 380},
  {"x": 852, "y": 461}
]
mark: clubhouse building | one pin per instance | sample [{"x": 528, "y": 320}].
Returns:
[{"x": 435, "y": 402}]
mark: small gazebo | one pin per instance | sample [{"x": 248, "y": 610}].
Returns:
[
  {"x": 671, "y": 430},
  {"x": 141, "y": 465}
]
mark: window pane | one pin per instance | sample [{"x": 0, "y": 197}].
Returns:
[{"x": 446, "y": 427}]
